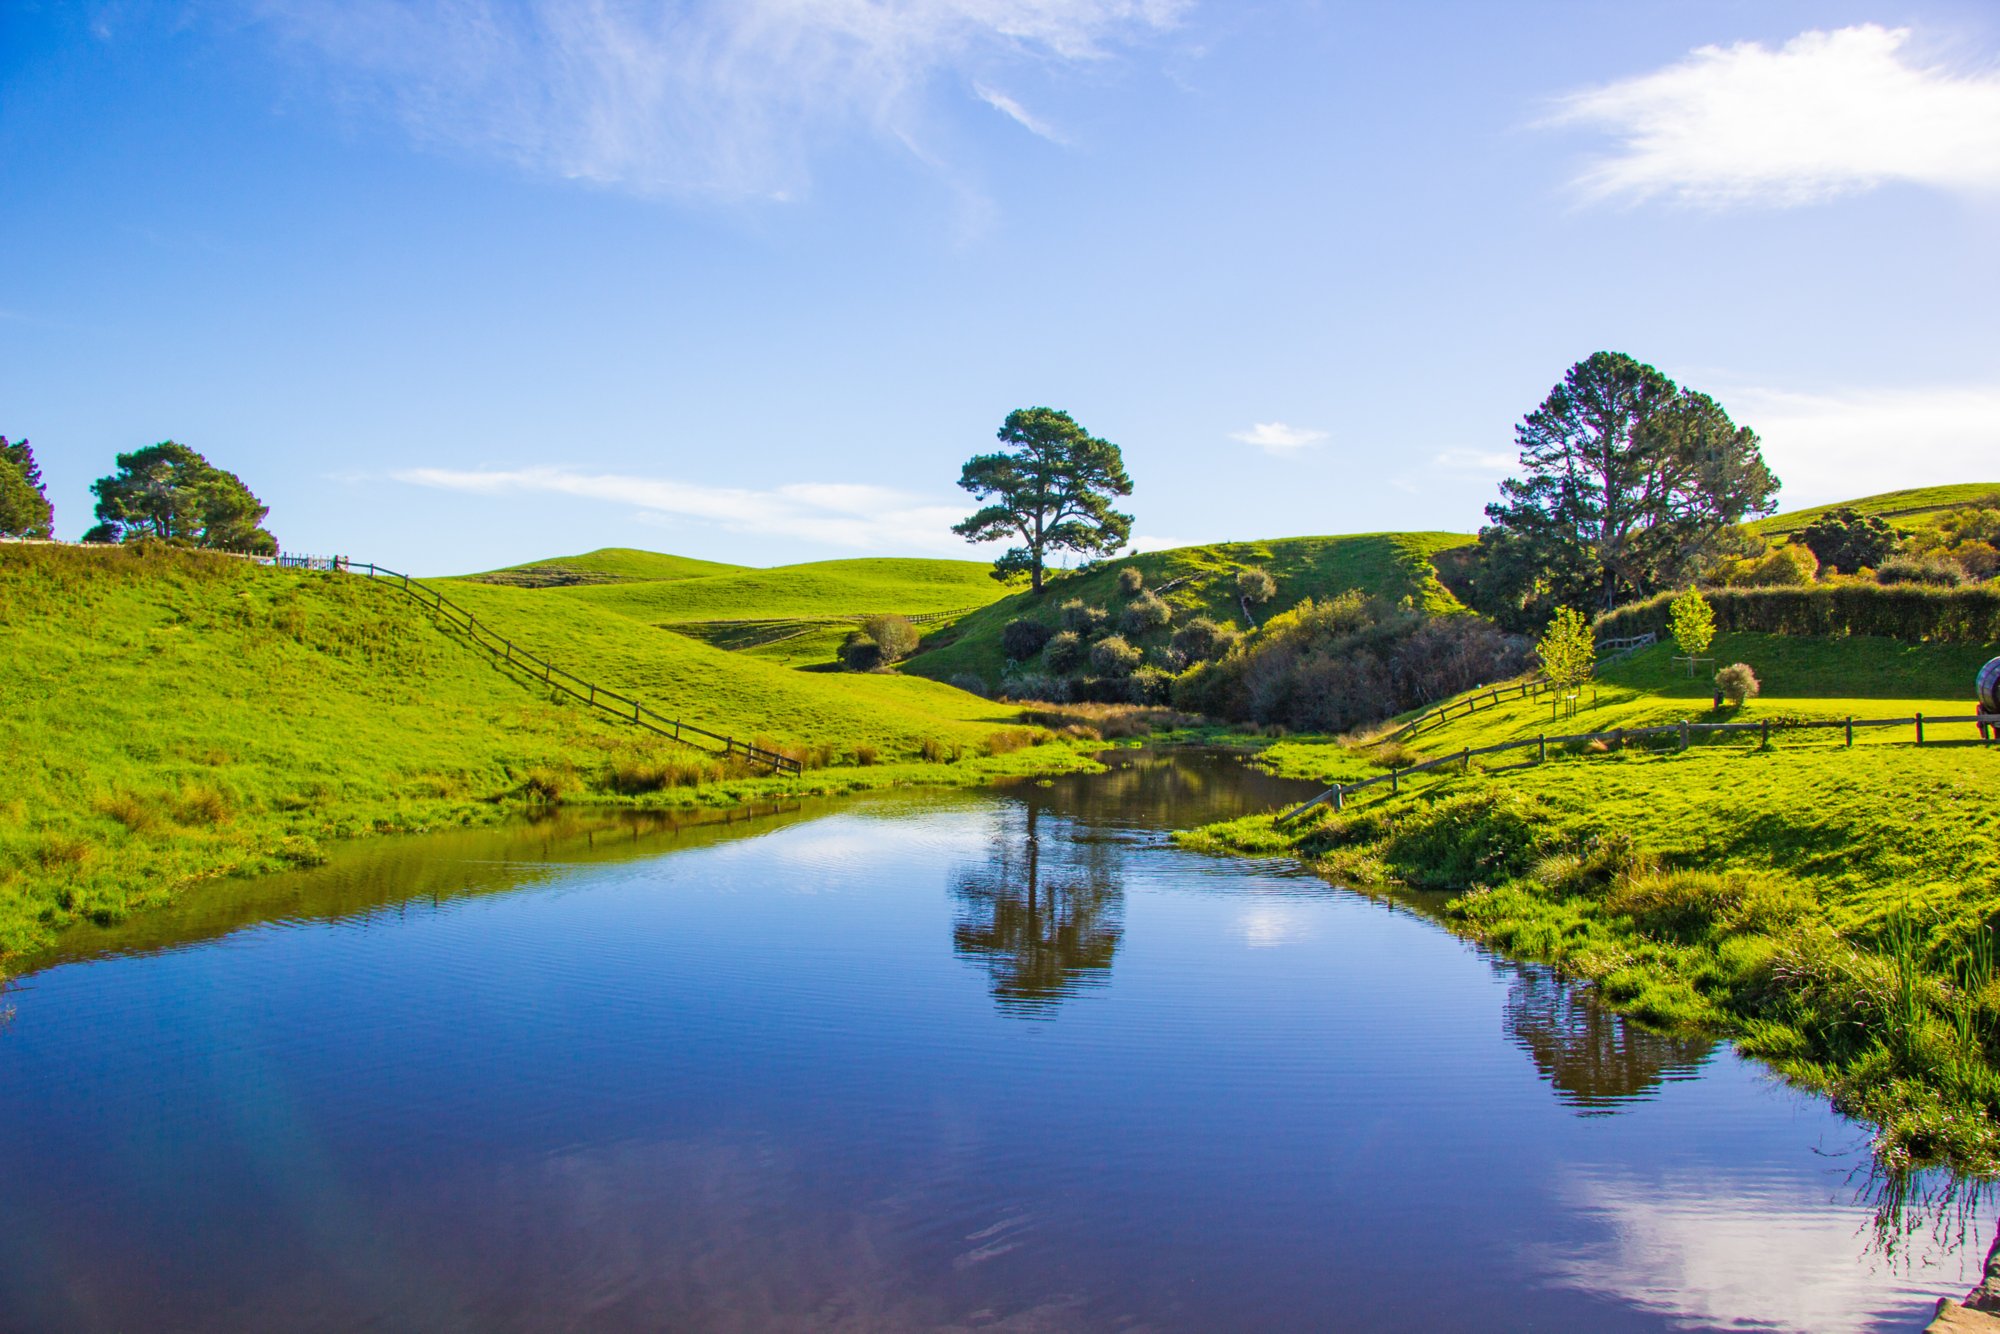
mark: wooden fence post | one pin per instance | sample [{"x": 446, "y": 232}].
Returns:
[
  {"x": 1543, "y": 757},
  {"x": 1850, "y": 731},
  {"x": 1465, "y": 760},
  {"x": 1920, "y": 729},
  {"x": 1393, "y": 785},
  {"x": 1684, "y": 734},
  {"x": 1339, "y": 797},
  {"x": 1766, "y": 725}
]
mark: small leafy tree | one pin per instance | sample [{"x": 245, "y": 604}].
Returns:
[
  {"x": 860, "y": 652},
  {"x": 1692, "y": 621},
  {"x": 1568, "y": 649},
  {"x": 1064, "y": 652},
  {"x": 1052, "y": 488},
  {"x": 1204, "y": 639},
  {"x": 24, "y": 500},
  {"x": 1083, "y": 619},
  {"x": 1146, "y": 612},
  {"x": 894, "y": 635},
  {"x": 1130, "y": 580},
  {"x": 170, "y": 492}
]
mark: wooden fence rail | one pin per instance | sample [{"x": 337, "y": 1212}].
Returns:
[
  {"x": 1683, "y": 731},
  {"x": 621, "y": 706}
]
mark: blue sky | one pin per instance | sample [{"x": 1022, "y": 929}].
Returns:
[{"x": 455, "y": 285}]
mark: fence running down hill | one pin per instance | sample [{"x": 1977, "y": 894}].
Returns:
[
  {"x": 621, "y": 706},
  {"x": 1617, "y": 737}
]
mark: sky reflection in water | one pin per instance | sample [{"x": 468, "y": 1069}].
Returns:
[{"x": 966, "y": 1060}]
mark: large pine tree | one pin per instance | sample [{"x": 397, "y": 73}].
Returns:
[{"x": 24, "y": 501}]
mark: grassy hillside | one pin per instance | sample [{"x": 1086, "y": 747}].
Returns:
[
  {"x": 1201, "y": 581},
  {"x": 173, "y": 716},
  {"x": 1833, "y": 908},
  {"x": 1910, "y": 504},
  {"x": 605, "y": 565},
  {"x": 819, "y": 590}
]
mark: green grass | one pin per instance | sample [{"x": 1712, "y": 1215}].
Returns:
[
  {"x": 172, "y": 717},
  {"x": 1900, "y": 504},
  {"x": 608, "y": 564},
  {"x": 819, "y": 590},
  {"x": 1392, "y": 565},
  {"x": 1794, "y": 896}
]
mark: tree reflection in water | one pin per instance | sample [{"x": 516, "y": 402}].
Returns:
[
  {"x": 1044, "y": 914},
  {"x": 1596, "y": 1060}
]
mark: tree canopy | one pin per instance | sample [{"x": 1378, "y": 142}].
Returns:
[
  {"x": 171, "y": 493},
  {"x": 1052, "y": 488},
  {"x": 1628, "y": 482},
  {"x": 1848, "y": 539},
  {"x": 24, "y": 503}
]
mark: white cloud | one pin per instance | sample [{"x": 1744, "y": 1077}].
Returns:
[
  {"x": 1145, "y": 543},
  {"x": 1716, "y": 1253},
  {"x": 1019, "y": 114},
  {"x": 711, "y": 97},
  {"x": 1277, "y": 437},
  {"x": 1479, "y": 463},
  {"x": 868, "y": 518},
  {"x": 1826, "y": 114},
  {"x": 1837, "y": 446}
]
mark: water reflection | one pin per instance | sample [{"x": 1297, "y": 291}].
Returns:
[
  {"x": 1596, "y": 1060},
  {"x": 1044, "y": 913}
]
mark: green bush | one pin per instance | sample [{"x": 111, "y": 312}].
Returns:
[
  {"x": 1480, "y": 838},
  {"x": 1146, "y": 612},
  {"x": 1936, "y": 571},
  {"x": 860, "y": 653},
  {"x": 1064, "y": 653},
  {"x": 1204, "y": 640},
  {"x": 1130, "y": 581},
  {"x": 1152, "y": 685},
  {"x": 1080, "y": 619},
  {"x": 1255, "y": 586},
  {"x": 1112, "y": 656},
  {"x": 896, "y": 637},
  {"x": 1737, "y": 682},
  {"x": 1023, "y": 638}
]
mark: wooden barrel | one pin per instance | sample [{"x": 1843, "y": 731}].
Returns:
[{"x": 1989, "y": 687}]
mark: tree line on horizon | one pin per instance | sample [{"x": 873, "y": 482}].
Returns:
[{"x": 163, "y": 493}]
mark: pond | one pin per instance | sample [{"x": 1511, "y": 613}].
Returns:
[{"x": 1001, "y": 1060}]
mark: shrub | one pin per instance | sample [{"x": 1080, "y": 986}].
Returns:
[
  {"x": 1084, "y": 620},
  {"x": 1787, "y": 566},
  {"x": 896, "y": 637},
  {"x": 1023, "y": 638},
  {"x": 1009, "y": 741},
  {"x": 970, "y": 684},
  {"x": 1204, "y": 639},
  {"x": 1112, "y": 656},
  {"x": 1064, "y": 652},
  {"x": 1152, "y": 685},
  {"x": 1935, "y": 571},
  {"x": 1255, "y": 586},
  {"x": 866, "y": 755},
  {"x": 935, "y": 751},
  {"x": 201, "y": 803},
  {"x": 860, "y": 652},
  {"x": 1737, "y": 682},
  {"x": 1146, "y": 612},
  {"x": 1035, "y": 686},
  {"x": 1688, "y": 904},
  {"x": 544, "y": 784},
  {"x": 129, "y": 810},
  {"x": 1978, "y": 559},
  {"x": 1130, "y": 581}
]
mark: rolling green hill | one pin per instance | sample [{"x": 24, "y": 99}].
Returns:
[
  {"x": 173, "y": 716},
  {"x": 604, "y": 566},
  {"x": 819, "y": 590},
  {"x": 1911, "y": 504},
  {"x": 1201, "y": 581}
]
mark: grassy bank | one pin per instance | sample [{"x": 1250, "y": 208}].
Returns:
[
  {"x": 1832, "y": 909},
  {"x": 174, "y": 717}
]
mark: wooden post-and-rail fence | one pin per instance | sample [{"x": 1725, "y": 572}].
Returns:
[
  {"x": 620, "y": 706},
  {"x": 1682, "y": 731}
]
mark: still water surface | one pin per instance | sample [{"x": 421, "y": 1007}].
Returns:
[{"x": 999, "y": 1061}]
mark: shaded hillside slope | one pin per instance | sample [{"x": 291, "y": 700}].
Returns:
[{"x": 1201, "y": 581}]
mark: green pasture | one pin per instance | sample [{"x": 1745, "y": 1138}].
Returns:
[{"x": 1910, "y": 505}]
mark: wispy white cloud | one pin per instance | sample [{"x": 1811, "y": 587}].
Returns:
[
  {"x": 1019, "y": 114},
  {"x": 1826, "y": 114},
  {"x": 866, "y": 518},
  {"x": 706, "y": 97},
  {"x": 1478, "y": 463},
  {"x": 1278, "y": 437},
  {"x": 1856, "y": 442}
]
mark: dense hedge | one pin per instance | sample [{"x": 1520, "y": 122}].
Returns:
[{"x": 1900, "y": 611}]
